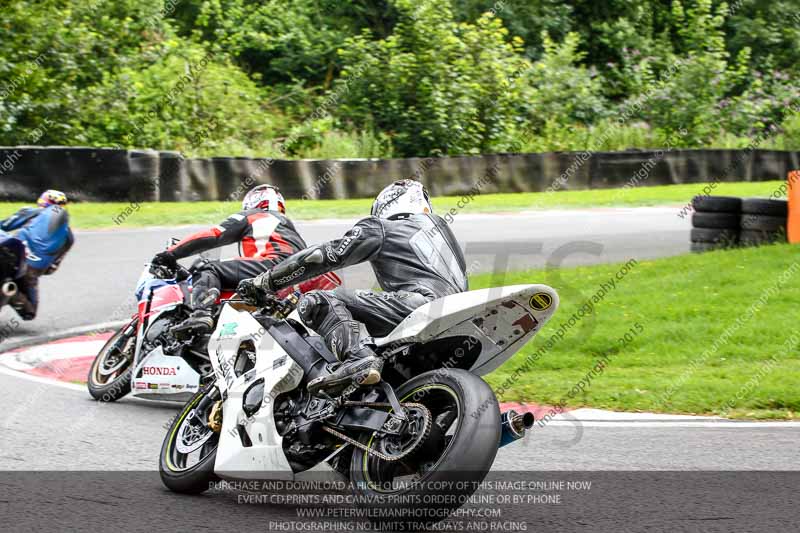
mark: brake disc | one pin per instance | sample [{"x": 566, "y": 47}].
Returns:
[
  {"x": 192, "y": 436},
  {"x": 121, "y": 361}
]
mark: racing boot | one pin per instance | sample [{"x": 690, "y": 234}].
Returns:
[
  {"x": 199, "y": 322},
  {"x": 361, "y": 368}
]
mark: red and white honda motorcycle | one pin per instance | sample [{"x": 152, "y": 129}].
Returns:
[{"x": 144, "y": 358}]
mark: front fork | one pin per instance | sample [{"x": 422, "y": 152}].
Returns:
[
  {"x": 215, "y": 420},
  {"x": 128, "y": 333}
]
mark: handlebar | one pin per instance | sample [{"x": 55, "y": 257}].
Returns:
[{"x": 162, "y": 272}]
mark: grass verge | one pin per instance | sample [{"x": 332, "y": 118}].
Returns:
[
  {"x": 706, "y": 334},
  {"x": 113, "y": 215}
]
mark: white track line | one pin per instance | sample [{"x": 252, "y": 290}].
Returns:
[
  {"x": 720, "y": 424},
  {"x": 44, "y": 381},
  {"x": 29, "y": 358},
  {"x": 585, "y": 417},
  {"x": 637, "y": 424}
]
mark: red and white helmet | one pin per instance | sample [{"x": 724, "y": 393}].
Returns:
[
  {"x": 403, "y": 197},
  {"x": 264, "y": 197}
]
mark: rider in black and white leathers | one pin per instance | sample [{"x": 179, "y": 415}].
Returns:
[{"x": 415, "y": 257}]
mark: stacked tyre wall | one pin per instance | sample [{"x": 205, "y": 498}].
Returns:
[
  {"x": 725, "y": 222},
  {"x": 145, "y": 175}
]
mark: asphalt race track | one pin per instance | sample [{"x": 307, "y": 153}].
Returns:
[
  {"x": 661, "y": 476},
  {"x": 709, "y": 474},
  {"x": 96, "y": 281}
]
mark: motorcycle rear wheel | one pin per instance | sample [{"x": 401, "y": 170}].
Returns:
[
  {"x": 181, "y": 472},
  {"x": 450, "y": 465},
  {"x": 111, "y": 371}
]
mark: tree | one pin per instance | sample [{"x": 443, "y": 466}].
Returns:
[
  {"x": 558, "y": 89},
  {"x": 688, "y": 95},
  {"x": 54, "y": 50},
  {"x": 189, "y": 100},
  {"x": 436, "y": 85}
]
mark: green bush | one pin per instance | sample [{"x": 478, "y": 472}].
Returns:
[
  {"x": 558, "y": 90},
  {"x": 763, "y": 106},
  {"x": 54, "y": 50},
  {"x": 280, "y": 41},
  {"x": 319, "y": 139},
  {"x": 688, "y": 93},
  {"x": 189, "y": 100},
  {"x": 789, "y": 136},
  {"x": 367, "y": 78},
  {"x": 434, "y": 85}
]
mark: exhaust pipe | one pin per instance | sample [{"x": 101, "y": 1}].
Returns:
[
  {"x": 9, "y": 289},
  {"x": 513, "y": 426}
]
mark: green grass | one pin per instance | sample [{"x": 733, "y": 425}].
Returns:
[
  {"x": 103, "y": 215},
  {"x": 683, "y": 304}
]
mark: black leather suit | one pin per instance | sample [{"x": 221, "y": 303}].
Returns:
[{"x": 416, "y": 259}]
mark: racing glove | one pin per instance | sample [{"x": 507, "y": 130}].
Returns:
[
  {"x": 264, "y": 281},
  {"x": 252, "y": 288},
  {"x": 165, "y": 259},
  {"x": 256, "y": 291},
  {"x": 247, "y": 290}
]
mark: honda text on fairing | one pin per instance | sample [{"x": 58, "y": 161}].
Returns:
[
  {"x": 430, "y": 419},
  {"x": 145, "y": 356}
]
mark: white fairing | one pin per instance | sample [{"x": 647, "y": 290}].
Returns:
[
  {"x": 265, "y": 458},
  {"x": 502, "y": 319},
  {"x": 164, "y": 377}
]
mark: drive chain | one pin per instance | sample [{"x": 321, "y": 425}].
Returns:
[{"x": 425, "y": 430}]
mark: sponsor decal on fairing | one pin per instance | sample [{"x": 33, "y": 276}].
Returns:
[{"x": 159, "y": 371}]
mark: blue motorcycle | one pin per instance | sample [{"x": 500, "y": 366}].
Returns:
[{"x": 12, "y": 266}]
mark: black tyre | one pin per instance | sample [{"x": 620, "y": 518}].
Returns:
[
  {"x": 763, "y": 206},
  {"x": 763, "y": 223},
  {"x": 186, "y": 461},
  {"x": 716, "y": 220},
  {"x": 717, "y": 204},
  {"x": 109, "y": 376},
  {"x": 723, "y": 236},
  {"x": 700, "y": 247},
  {"x": 451, "y": 462},
  {"x": 758, "y": 238}
]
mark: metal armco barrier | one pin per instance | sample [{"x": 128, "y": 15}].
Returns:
[{"x": 105, "y": 174}]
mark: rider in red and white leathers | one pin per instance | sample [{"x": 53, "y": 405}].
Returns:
[{"x": 265, "y": 236}]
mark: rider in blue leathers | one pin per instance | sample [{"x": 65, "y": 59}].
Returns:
[{"x": 47, "y": 237}]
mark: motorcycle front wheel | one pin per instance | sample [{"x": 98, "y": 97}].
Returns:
[
  {"x": 447, "y": 466},
  {"x": 186, "y": 462},
  {"x": 110, "y": 374}
]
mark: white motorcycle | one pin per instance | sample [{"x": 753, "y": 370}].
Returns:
[{"x": 432, "y": 420}]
